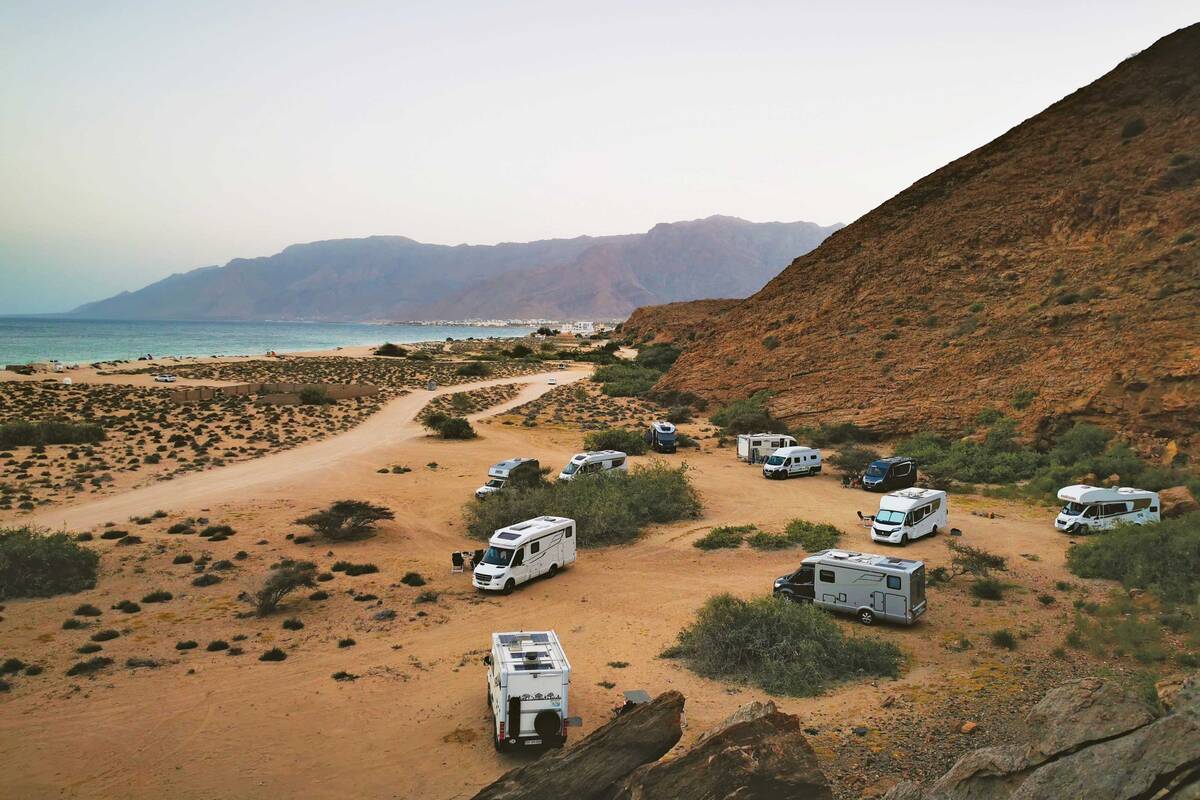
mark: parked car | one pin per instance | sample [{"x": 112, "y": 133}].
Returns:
[{"x": 887, "y": 474}]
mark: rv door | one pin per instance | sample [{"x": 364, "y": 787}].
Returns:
[
  {"x": 803, "y": 581},
  {"x": 517, "y": 569}
]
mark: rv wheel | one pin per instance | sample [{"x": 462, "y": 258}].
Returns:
[
  {"x": 903, "y": 540},
  {"x": 866, "y": 616},
  {"x": 935, "y": 530},
  {"x": 509, "y": 586},
  {"x": 553, "y": 570}
]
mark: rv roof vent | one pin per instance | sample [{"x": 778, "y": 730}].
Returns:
[{"x": 520, "y": 527}]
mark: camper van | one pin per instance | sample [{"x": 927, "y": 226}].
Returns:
[
  {"x": 592, "y": 462},
  {"x": 522, "y": 552},
  {"x": 513, "y": 472},
  {"x": 788, "y": 461},
  {"x": 755, "y": 447},
  {"x": 869, "y": 586},
  {"x": 886, "y": 474},
  {"x": 661, "y": 436},
  {"x": 910, "y": 514},
  {"x": 1096, "y": 508},
  {"x": 528, "y": 679}
]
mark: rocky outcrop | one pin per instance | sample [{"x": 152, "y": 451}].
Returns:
[
  {"x": 675, "y": 322},
  {"x": 1177, "y": 501},
  {"x": 1088, "y": 739}
]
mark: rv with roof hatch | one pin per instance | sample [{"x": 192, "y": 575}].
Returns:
[
  {"x": 529, "y": 679},
  {"x": 525, "y": 551},
  {"x": 1096, "y": 508},
  {"x": 869, "y": 586},
  {"x": 788, "y": 461},
  {"x": 910, "y": 514},
  {"x": 515, "y": 472},
  {"x": 661, "y": 436},
  {"x": 593, "y": 462},
  {"x": 755, "y": 447},
  {"x": 886, "y": 474}
]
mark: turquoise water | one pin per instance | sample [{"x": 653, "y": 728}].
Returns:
[{"x": 24, "y": 339}]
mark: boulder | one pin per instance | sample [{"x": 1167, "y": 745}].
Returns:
[
  {"x": 589, "y": 769},
  {"x": 763, "y": 758},
  {"x": 1082, "y": 711},
  {"x": 750, "y": 711},
  {"x": 1177, "y": 501}
]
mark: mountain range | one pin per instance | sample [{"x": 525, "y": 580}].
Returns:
[
  {"x": 1052, "y": 275},
  {"x": 390, "y": 278}
]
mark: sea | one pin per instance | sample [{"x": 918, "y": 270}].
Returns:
[{"x": 26, "y": 339}]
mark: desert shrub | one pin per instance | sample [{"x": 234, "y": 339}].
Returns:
[
  {"x": 20, "y": 433},
  {"x": 189, "y": 644},
  {"x": 780, "y": 646},
  {"x": 114, "y": 534},
  {"x": 315, "y": 396},
  {"x": 988, "y": 589},
  {"x": 1023, "y": 398},
  {"x": 207, "y": 579},
  {"x": 412, "y": 579},
  {"x": 1133, "y": 127},
  {"x": 217, "y": 645},
  {"x": 607, "y": 508},
  {"x": 427, "y": 596},
  {"x": 761, "y": 540},
  {"x": 89, "y": 648},
  {"x": 274, "y": 654},
  {"x": 342, "y": 675},
  {"x": 318, "y": 595},
  {"x": 626, "y": 380},
  {"x": 456, "y": 428},
  {"x": 812, "y": 536},
  {"x": 474, "y": 369},
  {"x": 1046, "y": 599},
  {"x": 283, "y": 580},
  {"x": 853, "y": 459},
  {"x": 725, "y": 536},
  {"x": 841, "y": 433},
  {"x": 1162, "y": 558},
  {"x": 747, "y": 416},
  {"x": 347, "y": 642},
  {"x": 657, "y": 357},
  {"x": 391, "y": 350},
  {"x": 679, "y": 414},
  {"x": 1184, "y": 238},
  {"x": 105, "y": 635},
  {"x": 347, "y": 519},
  {"x": 293, "y": 624},
  {"x": 72, "y": 624},
  {"x": 181, "y": 527},
  {"x": 968, "y": 560},
  {"x": 999, "y": 458},
  {"x": 157, "y": 596},
  {"x": 354, "y": 570},
  {"x": 11, "y": 665},
  {"x": 87, "y": 610},
  {"x": 217, "y": 530},
  {"x": 770, "y": 342},
  {"x": 623, "y": 439},
  {"x": 1004, "y": 639},
  {"x": 38, "y": 564},
  {"x": 91, "y": 665}
]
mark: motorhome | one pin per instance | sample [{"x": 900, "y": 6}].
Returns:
[
  {"x": 1097, "y": 508},
  {"x": 788, "y": 461},
  {"x": 910, "y": 514},
  {"x": 756, "y": 447},
  {"x": 529, "y": 681},
  {"x": 661, "y": 436},
  {"x": 522, "y": 552},
  {"x": 887, "y": 474},
  {"x": 869, "y": 586},
  {"x": 513, "y": 472},
  {"x": 592, "y": 462}
]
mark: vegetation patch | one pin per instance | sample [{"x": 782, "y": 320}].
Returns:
[
  {"x": 626, "y": 380},
  {"x": 1162, "y": 558},
  {"x": 38, "y": 564},
  {"x": 282, "y": 581},
  {"x": 782, "y": 647},
  {"x": 812, "y": 536},
  {"x": 412, "y": 579},
  {"x": 23, "y": 433},
  {"x": 90, "y": 666},
  {"x": 347, "y": 520},
  {"x": 623, "y": 439}
]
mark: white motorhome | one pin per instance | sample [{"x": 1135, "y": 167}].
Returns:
[
  {"x": 788, "y": 461},
  {"x": 755, "y": 447},
  {"x": 513, "y": 472},
  {"x": 592, "y": 462},
  {"x": 910, "y": 514},
  {"x": 524, "y": 551},
  {"x": 529, "y": 679},
  {"x": 1097, "y": 508},
  {"x": 869, "y": 586}
]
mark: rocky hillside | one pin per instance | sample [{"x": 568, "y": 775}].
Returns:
[
  {"x": 395, "y": 278},
  {"x": 1061, "y": 259},
  {"x": 675, "y": 322}
]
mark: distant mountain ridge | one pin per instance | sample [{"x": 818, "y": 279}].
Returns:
[{"x": 396, "y": 278}]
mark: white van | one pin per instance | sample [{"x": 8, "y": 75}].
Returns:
[
  {"x": 528, "y": 679},
  {"x": 522, "y": 552},
  {"x": 592, "y": 462},
  {"x": 910, "y": 514},
  {"x": 755, "y": 447},
  {"x": 788, "y": 461},
  {"x": 1096, "y": 508},
  {"x": 869, "y": 586}
]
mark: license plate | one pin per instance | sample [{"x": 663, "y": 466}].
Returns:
[{"x": 532, "y": 741}]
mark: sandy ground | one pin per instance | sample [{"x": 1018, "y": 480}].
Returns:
[{"x": 414, "y": 724}]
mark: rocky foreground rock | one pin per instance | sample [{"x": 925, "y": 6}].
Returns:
[{"x": 1087, "y": 739}]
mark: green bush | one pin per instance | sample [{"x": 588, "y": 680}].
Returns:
[
  {"x": 391, "y": 350},
  {"x": 1003, "y": 638},
  {"x": 812, "y": 536},
  {"x": 38, "y": 564},
  {"x": 474, "y": 369},
  {"x": 456, "y": 428},
  {"x": 988, "y": 589},
  {"x": 761, "y": 540},
  {"x": 841, "y": 433},
  {"x": 609, "y": 508},
  {"x": 315, "y": 396},
  {"x": 347, "y": 519},
  {"x": 747, "y": 416},
  {"x": 1162, "y": 558},
  {"x": 780, "y": 646},
  {"x": 623, "y": 439},
  {"x": 657, "y": 357},
  {"x": 19, "y": 433},
  {"x": 725, "y": 536},
  {"x": 626, "y": 380},
  {"x": 853, "y": 459},
  {"x": 282, "y": 581}
]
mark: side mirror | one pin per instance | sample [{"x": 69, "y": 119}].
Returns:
[{"x": 488, "y": 659}]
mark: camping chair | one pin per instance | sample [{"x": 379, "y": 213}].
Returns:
[
  {"x": 476, "y": 558},
  {"x": 456, "y": 562},
  {"x": 865, "y": 519}
]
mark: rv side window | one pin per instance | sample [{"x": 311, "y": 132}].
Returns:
[
  {"x": 617, "y": 462},
  {"x": 1090, "y": 513},
  {"x": 535, "y": 547},
  {"x": 568, "y": 533},
  {"x": 519, "y": 558},
  {"x": 826, "y": 576},
  {"x": 893, "y": 582},
  {"x": 936, "y": 505},
  {"x": 902, "y": 470},
  {"x": 1113, "y": 509},
  {"x": 1139, "y": 505}
]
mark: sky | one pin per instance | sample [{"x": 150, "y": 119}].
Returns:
[{"x": 142, "y": 139}]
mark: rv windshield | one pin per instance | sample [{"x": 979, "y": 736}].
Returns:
[
  {"x": 497, "y": 556},
  {"x": 775, "y": 461},
  {"x": 889, "y": 517},
  {"x": 875, "y": 471},
  {"x": 1073, "y": 509},
  {"x": 496, "y": 483},
  {"x": 569, "y": 469}
]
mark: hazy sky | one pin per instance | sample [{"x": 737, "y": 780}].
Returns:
[{"x": 140, "y": 139}]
